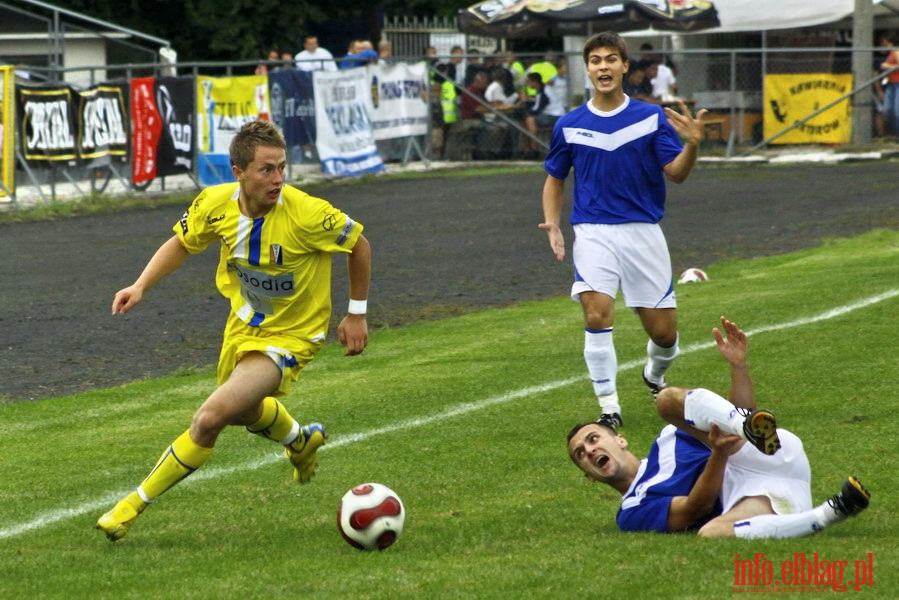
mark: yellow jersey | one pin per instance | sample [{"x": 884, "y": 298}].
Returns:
[{"x": 276, "y": 269}]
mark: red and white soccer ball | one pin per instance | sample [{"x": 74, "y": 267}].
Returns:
[
  {"x": 371, "y": 516},
  {"x": 693, "y": 275}
]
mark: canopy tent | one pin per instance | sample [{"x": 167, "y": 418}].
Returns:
[
  {"x": 766, "y": 15},
  {"x": 537, "y": 18},
  {"x": 534, "y": 18}
]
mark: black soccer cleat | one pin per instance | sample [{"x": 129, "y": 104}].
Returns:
[
  {"x": 760, "y": 429},
  {"x": 612, "y": 420},
  {"x": 852, "y": 499},
  {"x": 655, "y": 388}
]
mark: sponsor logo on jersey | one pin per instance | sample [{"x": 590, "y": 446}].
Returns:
[
  {"x": 263, "y": 284},
  {"x": 276, "y": 254},
  {"x": 211, "y": 220}
]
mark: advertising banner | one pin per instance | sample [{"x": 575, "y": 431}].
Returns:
[
  {"x": 103, "y": 122},
  {"x": 293, "y": 105},
  {"x": 343, "y": 109},
  {"x": 224, "y": 104},
  {"x": 791, "y": 98},
  {"x": 162, "y": 111},
  {"x": 47, "y": 123},
  {"x": 7, "y": 131},
  {"x": 399, "y": 99}
]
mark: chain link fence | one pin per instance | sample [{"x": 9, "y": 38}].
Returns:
[{"x": 743, "y": 114}]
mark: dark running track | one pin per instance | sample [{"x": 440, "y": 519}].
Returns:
[{"x": 442, "y": 246}]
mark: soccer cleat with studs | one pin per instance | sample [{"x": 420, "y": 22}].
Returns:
[
  {"x": 301, "y": 451},
  {"x": 852, "y": 499},
  {"x": 760, "y": 429},
  {"x": 116, "y": 523},
  {"x": 655, "y": 388},
  {"x": 613, "y": 420}
]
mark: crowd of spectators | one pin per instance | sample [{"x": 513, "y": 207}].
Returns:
[{"x": 494, "y": 106}]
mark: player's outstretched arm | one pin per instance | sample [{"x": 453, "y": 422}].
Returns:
[
  {"x": 552, "y": 212},
  {"x": 167, "y": 259},
  {"x": 734, "y": 347},
  {"x": 692, "y": 132}
]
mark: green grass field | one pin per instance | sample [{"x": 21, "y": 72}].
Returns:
[{"x": 465, "y": 418}]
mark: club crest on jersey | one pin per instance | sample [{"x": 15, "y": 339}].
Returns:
[{"x": 275, "y": 254}]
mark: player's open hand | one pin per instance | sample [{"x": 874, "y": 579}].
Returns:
[
  {"x": 353, "y": 333},
  {"x": 556, "y": 239},
  {"x": 731, "y": 343},
  {"x": 690, "y": 129}
]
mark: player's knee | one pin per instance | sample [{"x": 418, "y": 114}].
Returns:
[
  {"x": 206, "y": 422},
  {"x": 670, "y": 403}
]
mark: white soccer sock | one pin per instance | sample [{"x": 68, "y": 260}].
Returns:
[
  {"x": 782, "y": 526},
  {"x": 602, "y": 364},
  {"x": 659, "y": 359},
  {"x": 703, "y": 408}
]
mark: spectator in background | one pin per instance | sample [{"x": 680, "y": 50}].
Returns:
[
  {"x": 501, "y": 93},
  {"x": 286, "y": 61},
  {"x": 560, "y": 85},
  {"x": 431, "y": 55},
  {"x": 468, "y": 104},
  {"x": 542, "y": 112},
  {"x": 313, "y": 57},
  {"x": 457, "y": 66},
  {"x": 359, "y": 54},
  {"x": 663, "y": 81},
  {"x": 637, "y": 81},
  {"x": 474, "y": 65},
  {"x": 264, "y": 67},
  {"x": 385, "y": 51},
  {"x": 891, "y": 87},
  {"x": 446, "y": 112}
]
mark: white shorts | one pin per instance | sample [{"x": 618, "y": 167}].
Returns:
[
  {"x": 785, "y": 478},
  {"x": 632, "y": 256}
]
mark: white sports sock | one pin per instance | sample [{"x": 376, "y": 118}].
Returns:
[
  {"x": 703, "y": 408},
  {"x": 658, "y": 360},
  {"x": 602, "y": 363},
  {"x": 609, "y": 404},
  {"x": 782, "y": 526}
]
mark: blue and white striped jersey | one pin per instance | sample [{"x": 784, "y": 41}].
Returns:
[
  {"x": 675, "y": 462},
  {"x": 617, "y": 158}
]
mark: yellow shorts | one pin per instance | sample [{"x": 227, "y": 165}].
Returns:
[{"x": 290, "y": 353}]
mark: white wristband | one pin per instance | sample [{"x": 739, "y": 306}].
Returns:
[{"x": 358, "y": 307}]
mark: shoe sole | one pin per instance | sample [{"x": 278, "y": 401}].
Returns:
[
  {"x": 861, "y": 495},
  {"x": 763, "y": 428}
]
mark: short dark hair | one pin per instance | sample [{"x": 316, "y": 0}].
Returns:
[
  {"x": 607, "y": 424},
  {"x": 605, "y": 39}
]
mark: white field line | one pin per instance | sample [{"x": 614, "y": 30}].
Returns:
[{"x": 48, "y": 518}]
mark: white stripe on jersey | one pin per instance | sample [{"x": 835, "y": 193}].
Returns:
[
  {"x": 667, "y": 463},
  {"x": 242, "y": 243},
  {"x": 611, "y": 141}
]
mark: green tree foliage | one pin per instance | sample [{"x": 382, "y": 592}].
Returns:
[{"x": 246, "y": 29}]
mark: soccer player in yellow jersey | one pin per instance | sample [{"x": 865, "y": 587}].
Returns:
[{"x": 275, "y": 245}]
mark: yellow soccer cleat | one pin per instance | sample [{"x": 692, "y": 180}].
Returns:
[
  {"x": 301, "y": 451},
  {"x": 115, "y": 523}
]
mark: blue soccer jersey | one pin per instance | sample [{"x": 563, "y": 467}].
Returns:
[
  {"x": 674, "y": 464},
  {"x": 617, "y": 158}
]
